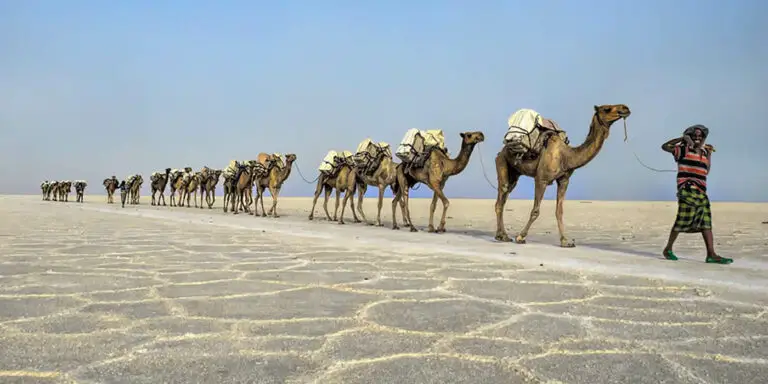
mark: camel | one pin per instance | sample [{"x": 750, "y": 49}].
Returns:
[
  {"x": 277, "y": 173},
  {"x": 229, "y": 189},
  {"x": 192, "y": 184},
  {"x": 434, "y": 173},
  {"x": 135, "y": 190},
  {"x": 44, "y": 187},
  {"x": 124, "y": 192},
  {"x": 340, "y": 181},
  {"x": 111, "y": 185},
  {"x": 208, "y": 187},
  {"x": 384, "y": 175},
  {"x": 158, "y": 181},
  {"x": 178, "y": 181},
  {"x": 242, "y": 186},
  {"x": 65, "y": 188},
  {"x": 80, "y": 190},
  {"x": 555, "y": 163}
]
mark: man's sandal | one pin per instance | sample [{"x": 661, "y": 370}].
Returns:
[
  {"x": 669, "y": 255},
  {"x": 719, "y": 260}
]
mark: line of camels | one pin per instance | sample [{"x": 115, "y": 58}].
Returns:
[
  {"x": 554, "y": 162},
  {"x": 60, "y": 190}
]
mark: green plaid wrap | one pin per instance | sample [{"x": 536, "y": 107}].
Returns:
[{"x": 693, "y": 210}]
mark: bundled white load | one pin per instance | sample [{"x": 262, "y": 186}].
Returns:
[
  {"x": 522, "y": 131},
  {"x": 343, "y": 156},
  {"x": 385, "y": 147},
  {"x": 279, "y": 159},
  {"x": 366, "y": 145},
  {"x": 129, "y": 179},
  {"x": 328, "y": 163},
  {"x": 416, "y": 141}
]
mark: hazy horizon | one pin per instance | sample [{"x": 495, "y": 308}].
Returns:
[{"x": 93, "y": 89}]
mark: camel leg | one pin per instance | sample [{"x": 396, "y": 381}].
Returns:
[
  {"x": 541, "y": 186},
  {"x": 261, "y": 201},
  {"x": 235, "y": 200},
  {"x": 336, "y": 209},
  {"x": 347, "y": 196},
  {"x": 162, "y": 196},
  {"x": 432, "y": 209},
  {"x": 275, "y": 192},
  {"x": 328, "y": 191},
  {"x": 446, "y": 204},
  {"x": 362, "y": 188},
  {"x": 562, "y": 187},
  {"x": 506, "y": 186},
  {"x": 380, "y": 205},
  {"x": 395, "y": 201},
  {"x": 195, "y": 197},
  {"x": 314, "y": 200}
]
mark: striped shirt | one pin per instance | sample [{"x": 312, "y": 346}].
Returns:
[{"x": 692, "y": 167}]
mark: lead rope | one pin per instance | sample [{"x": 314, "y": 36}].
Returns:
[
  {"x": 302, "y": 175},
  {"x": 482, "y": 164},
  {"x": 626, "y": 138}
]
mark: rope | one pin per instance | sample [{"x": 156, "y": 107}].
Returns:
[
  {"x": 626, "y": 140},
  {"x": 302, "y": 175},
  {"x": 482, "y": 164}
]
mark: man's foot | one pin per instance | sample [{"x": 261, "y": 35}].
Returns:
[
  {"x": 718, "y": 260},
  {"x": 669, "y": 255}
]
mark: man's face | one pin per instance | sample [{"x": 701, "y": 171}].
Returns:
[{"x": 697, "y": 136}]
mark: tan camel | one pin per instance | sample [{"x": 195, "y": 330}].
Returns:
[
  {"x": 135, "y": 191},
  {"x": 111, "y": 185},
  {"x": 80, "y": 190},
  {"x": 385, "y": 175},
  {"x": 434, "y": 173},
  {"x": 243, "y": 187},
  {"x": 229, "y": 189},
  {"x": 65, "y": 188},
  {"x": 44, "y": 187},
  {"x": 276, "y": 175},
  {"x": 158, "y": 181},
  {"x": 178, "y": 186},
  {"x": 192, "y": 184},
  {"x": 342, "y": 180},
  {"x": 208, "y": 187},
  {"x": 556, "y": 163}
]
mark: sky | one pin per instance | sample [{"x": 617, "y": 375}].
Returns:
[{"x": 90, "y": 89}]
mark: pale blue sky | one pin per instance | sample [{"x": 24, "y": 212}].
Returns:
[{"x": 94, "y": 88}]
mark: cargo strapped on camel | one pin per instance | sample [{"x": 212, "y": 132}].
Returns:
[
  {"x": 528, "y": 130},
  {"x": 279, "y": 160},
  {"x": 416, "y": 143}
]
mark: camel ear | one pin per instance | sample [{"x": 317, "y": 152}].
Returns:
[
  {"x": 462, "y": 134},
  {"x": 596, "y": 108}
]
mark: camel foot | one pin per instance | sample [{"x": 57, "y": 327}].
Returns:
[
  {"x": 275, "y": 216},
  {"x": 311, "y": 217},
  {"x": 413, "y": 229},
  {"x": 520, "y": 239},
  {"x": 358, "y": 221},
  {"x": 251, "y": 213},
  {"x": 263, "y": 215},
  {"x": 566, "y": 243},
  {"x": 431, "y": 229},
  {"x": 152, "y": 204},
  {"x": 334, "y": 218},
  {"x": 502, "y": 237},
  {"x": 379, "y": 224},
  {"x": 341, "y": 222},
  {"x": 440, "y": 230},
  {"x": 367, "y": 223},
  {"x": 395, "y": 227}
]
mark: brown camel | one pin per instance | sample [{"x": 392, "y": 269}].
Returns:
[
  {"x": 342, "y": 180},
  {"x": 434, "y": 173},
  {"x": 135, "y": 191},
  {"x": 208, "y": 186},
  {"x": 178, "y": 186},
  {"x": 80, "y": 190},
  {"x": 384, "y": 175},
  {"x": 229, "y": 189},
  {"x": 192, "y": 184},
  {"x": 276, "y": 176},
  {"x": 242, "y": 187},
  {"x": 65, "y": 188},
  {"x": 556, "y": 163},
  {"x": 111, "y": 185},
  {"x": 158, "y": 181}
]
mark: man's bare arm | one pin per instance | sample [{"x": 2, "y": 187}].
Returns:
[{"x": 669, "y": 146}]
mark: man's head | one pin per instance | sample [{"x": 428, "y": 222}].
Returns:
[{"x": 698, "y": 133}]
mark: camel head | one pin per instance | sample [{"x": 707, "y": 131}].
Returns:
[
  {"x": 472, "y": 138},
  {"x": 167, "y": 171},
  {"x": 290, "y": 158},
  {"x": 610, "y": 113}
]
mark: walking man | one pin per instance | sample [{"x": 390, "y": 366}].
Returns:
[{"x": 693, "y": 159}]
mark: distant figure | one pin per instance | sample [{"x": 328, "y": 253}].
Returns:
[
  {"x": 123, "y": 192},
  {"x": 693, "y": 159}
]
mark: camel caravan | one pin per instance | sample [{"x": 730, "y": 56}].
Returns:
[
  {"x": 60, "y": 190},
  {"x": 532, "y": 146}
]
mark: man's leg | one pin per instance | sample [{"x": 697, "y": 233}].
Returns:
[
  {"x": 668, "y": 254},
  {"x": 712, "y": 256}
]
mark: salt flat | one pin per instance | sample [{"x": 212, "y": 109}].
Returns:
[{"x": 97, "y": 293}]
